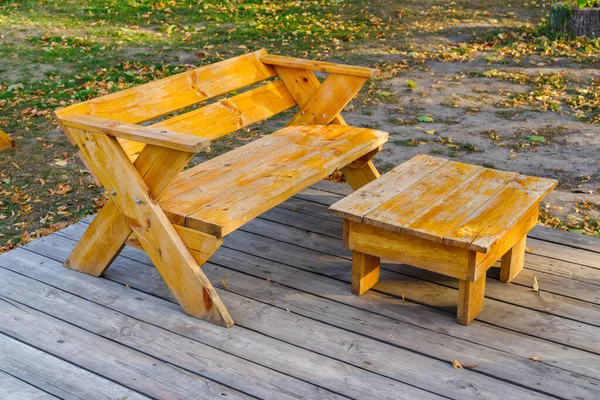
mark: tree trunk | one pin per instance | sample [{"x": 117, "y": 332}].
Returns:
[{"x": 576, "y": 21}]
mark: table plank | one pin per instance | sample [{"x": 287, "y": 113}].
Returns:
[
  {"x": 443, "y": 216},
  {"x": 488, "y": 224},
  {"x": 408, "y": 203},
  {"x": 371, "y": 196}
]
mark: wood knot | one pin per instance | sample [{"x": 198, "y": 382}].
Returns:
[{"x": 208, "y": 303}]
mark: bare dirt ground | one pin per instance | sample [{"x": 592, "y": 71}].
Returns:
[{"x": 468, "y": 126}]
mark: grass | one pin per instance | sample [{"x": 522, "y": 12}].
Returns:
[{"x": 55, "y": 53}]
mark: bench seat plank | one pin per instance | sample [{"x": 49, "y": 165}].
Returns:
[{"x": 251, "y": 185}]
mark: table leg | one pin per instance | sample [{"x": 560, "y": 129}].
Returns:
[
  {"x": 365, "y": 272},
  {"x": 470, "y": 300},
  {"x": 512, "y": 261}
]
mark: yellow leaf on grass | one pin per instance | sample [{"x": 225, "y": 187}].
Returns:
[
  {"x": 456, "y": 364},
  {"x": 60, "y": 162}
]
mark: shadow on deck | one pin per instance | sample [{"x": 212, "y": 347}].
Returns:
[{"x": 299, "y": 333}]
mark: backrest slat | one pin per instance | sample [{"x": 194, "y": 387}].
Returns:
[
  {"x": 228, "y": 115},
  {"x": 158, "y": 98}
]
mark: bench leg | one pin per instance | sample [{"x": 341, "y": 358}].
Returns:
[
  {"x": 101, "y": 243},
  {"x": 132, "y": 189},
  {"x": 512, "y": 261},
  {"x": 470, "y": 300},
  {"x": 359, "y": 177},
  {"x": 365, "y": 272}
]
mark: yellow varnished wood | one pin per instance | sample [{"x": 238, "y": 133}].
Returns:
[
  {"x": 6, "y": 142},
  {"x": 367, "y": 199},
  {"x": 302, "y": 84},
  {"x": 177, "y": 217},
  {"x": 158, "y": 98},
  {"x": 512, "y": 261},
  {"x": 447, "y": 217},
  {"x": 157, "y": 236},
  {"x": 319, "y": 66},
  {"x": 406, "y": 249},
  {"x": 109, "y": 230},
  {"x": 505, "y": 209},
  {"x": 137, "y": 133},
  {"x": 470, "y": 300},
  {"x": 232, "y": 113},
  {"x": 279, "y": 176},
  {"x": 359, "y": 177},
  {"x": 331, "y": 98},
  {"x": 365, "y": 272},
  {"x": 410, "y": 202}
]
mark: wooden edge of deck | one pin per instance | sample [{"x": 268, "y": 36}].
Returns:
[
  {"x": 323, "y": 66},
  {"x": 137, "y": 133}
]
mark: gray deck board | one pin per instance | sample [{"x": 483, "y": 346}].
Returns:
[
  {"x": 58, "y": 378},
  {"x": 299, "y": 331},
  {"x": 12, "y": 388}
]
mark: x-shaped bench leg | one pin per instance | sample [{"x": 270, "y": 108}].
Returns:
[
  {"x": 321, "y": 104},
  {"x": 132, "y": 208}
]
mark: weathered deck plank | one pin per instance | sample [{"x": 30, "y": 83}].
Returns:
[
  {"x": 300, "y": 333},
  {"x": 55, "y": 376},
  {"x": 243, "y": 342},
  {"x": 284, "y": 326},
  {"x": 348, "y": 318},
  {"x": 12, "y": 388}
]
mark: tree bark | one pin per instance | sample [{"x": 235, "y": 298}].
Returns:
[{"x": 576, "y": 21}]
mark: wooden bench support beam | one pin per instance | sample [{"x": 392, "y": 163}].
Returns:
[
  {"x": 365, "y": 272},
  {"x": 101, "y": 243},
  {"x": 512, "y": 261},
  {"x": 131, "y": 192},
  {"x": 470, "y": 300},
  {"x": 359, "y": 177}
]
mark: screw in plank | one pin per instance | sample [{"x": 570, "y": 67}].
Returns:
[
  {"x": 301, "y": 112},
  {"x": 324, "y": 115},
  {"x": 138, "y": 201},
  {"x": 113, "y": 192}
]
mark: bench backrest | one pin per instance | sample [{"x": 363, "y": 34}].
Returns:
[{"x": 166, "y": 96}]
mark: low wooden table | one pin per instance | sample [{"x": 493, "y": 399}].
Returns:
[{"x": 448, "y": 217}]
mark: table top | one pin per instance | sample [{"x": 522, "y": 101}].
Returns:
[{"x": 446, "y": 201}]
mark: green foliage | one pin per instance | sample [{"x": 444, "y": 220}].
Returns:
[{"x": 425, "y": 118}]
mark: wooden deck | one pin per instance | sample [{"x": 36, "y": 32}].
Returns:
[{"x": 299, "y": 332}]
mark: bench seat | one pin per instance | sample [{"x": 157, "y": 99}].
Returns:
[{"x": 220, "y": 195}]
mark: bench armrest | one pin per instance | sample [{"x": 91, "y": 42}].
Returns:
[
  {"x": 137, "y": 133},
  {"x": 319, "y": 66}
]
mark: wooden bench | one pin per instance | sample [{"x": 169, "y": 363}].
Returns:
[
  {"x": 444, "y": 216},
  {"x": 179, "y": 218},
  {"x": 6, "y": 142}
]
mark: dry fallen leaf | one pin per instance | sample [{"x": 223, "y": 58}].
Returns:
[
  {"x": 470, "y": 366},
  {"x": 63, "y": 189},
  {"x": 456, "y": 364},
  {"x": 535, "y": 358},
  {"x": 223, "y": 281},
  {"x": 536, "y": 287},
  {"x": 60, "y": 162}
]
